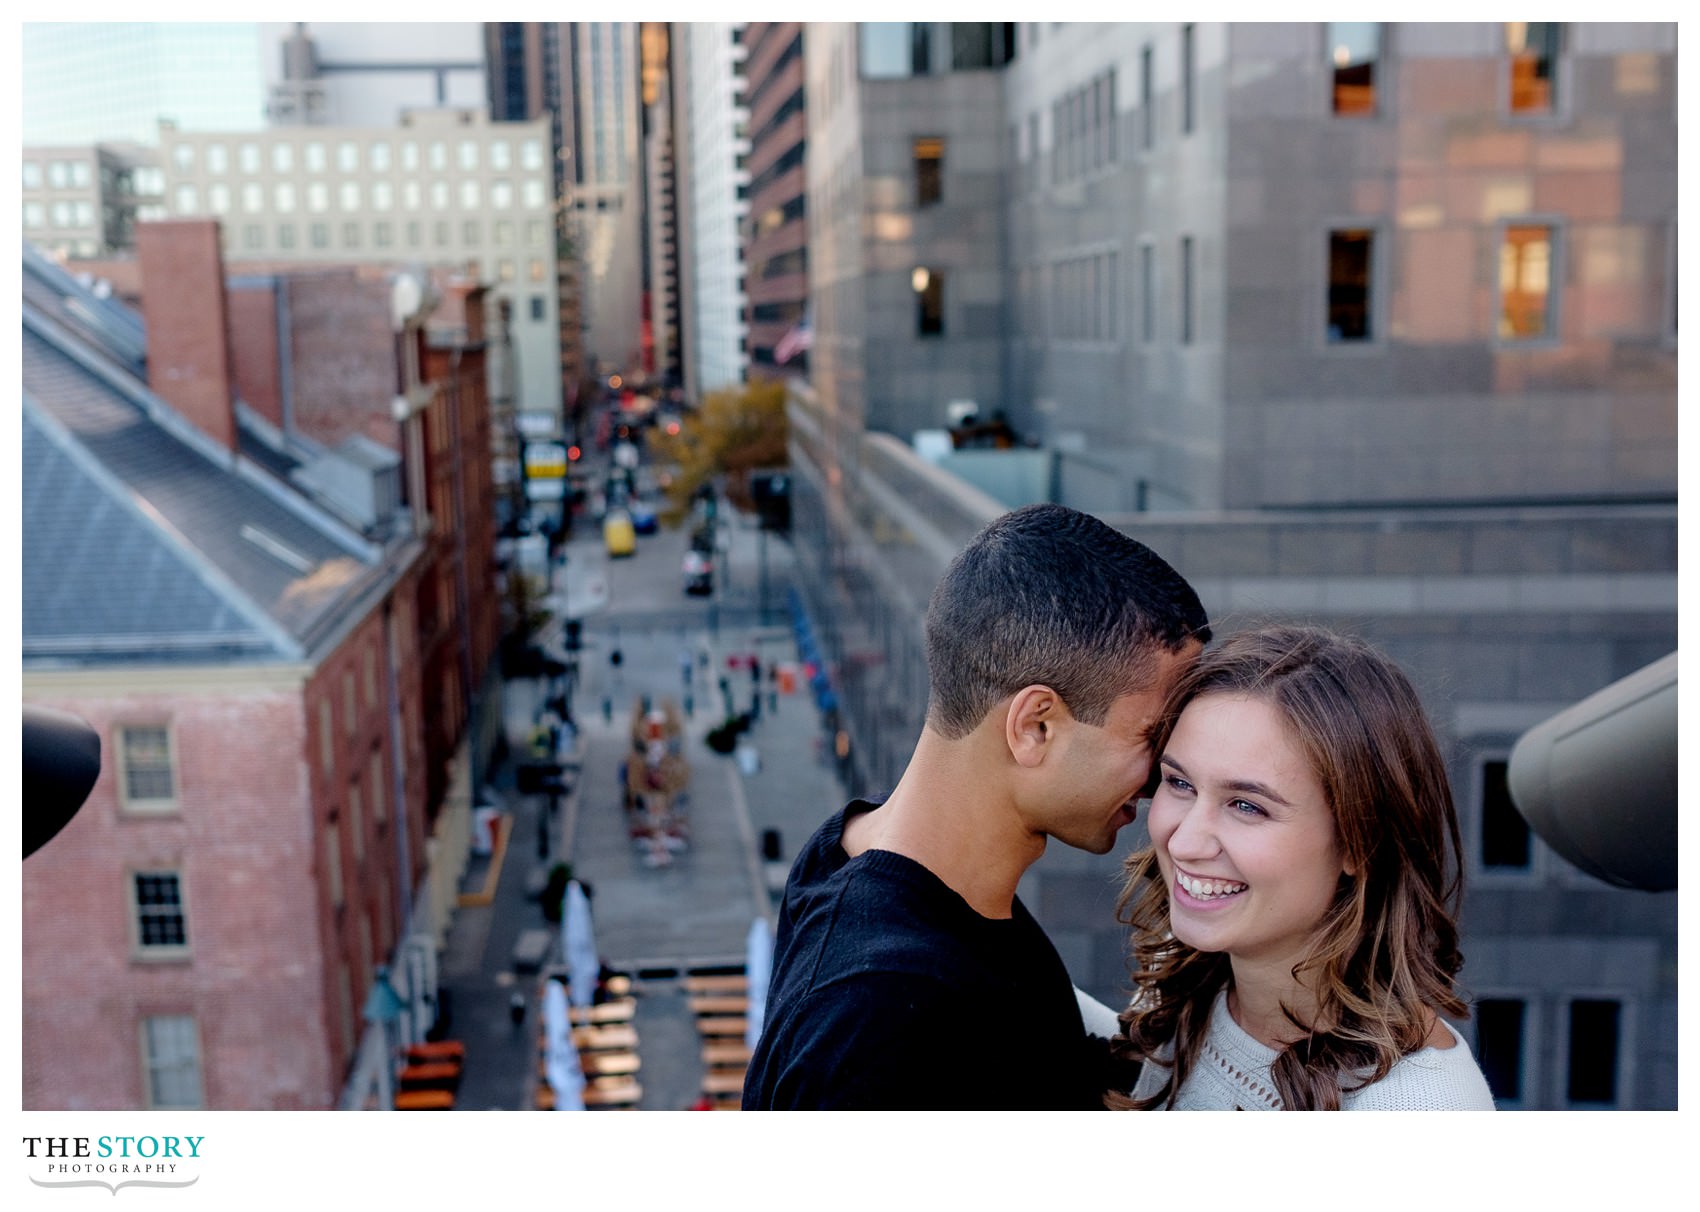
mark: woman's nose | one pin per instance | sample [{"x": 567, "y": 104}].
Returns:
[{"x": 1193, "y": 837}]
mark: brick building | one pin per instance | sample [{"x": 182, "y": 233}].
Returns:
[{"x": 267, "y": 609}]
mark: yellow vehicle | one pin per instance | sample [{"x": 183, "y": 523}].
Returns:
[{"x": 618, "y": 534}]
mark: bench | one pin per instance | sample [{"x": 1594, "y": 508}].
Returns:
[
  {"x": 721, "y": 1056},
  {"x": 735, "y": 983},
  {"x": 441, "y": 1050},
  {"x": 722, "y": 1025},
  {"x": 724, "y": 1084},
  {"x": 433, "y": 1074},
  {"x": 719, "y": 1004},
  {"x": 604, "y": 1039},
  {"x": 610, "y": 1064},
  {"x": 602, "y": 1014},
  {"x": 425, "y": 1100}
]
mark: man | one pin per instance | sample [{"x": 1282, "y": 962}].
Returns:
[{"x": 907, "y": 974}]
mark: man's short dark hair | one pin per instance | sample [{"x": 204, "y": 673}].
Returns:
[{"x": 1051, "y": 596}]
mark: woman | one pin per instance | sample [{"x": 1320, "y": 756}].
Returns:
[{"x": 1294, "y": 936}]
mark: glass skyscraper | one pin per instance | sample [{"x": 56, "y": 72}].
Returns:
[{"x": 87, "y": 82}]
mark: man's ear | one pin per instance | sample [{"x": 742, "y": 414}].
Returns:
[{"x": 1030, "y": 723}]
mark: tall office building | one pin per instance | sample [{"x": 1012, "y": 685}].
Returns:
[
  {"x": 713, "y": 202},
  {"x": 365, "y": 73},
  {"x": 661, "y": 341},
  {"x": 1365, "y": 325},
  {"x": 100, "y": 81},
  {"x": 776, "y": 231}
]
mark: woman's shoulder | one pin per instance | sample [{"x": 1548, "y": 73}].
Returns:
[{"x": 1430, "y": 1079}]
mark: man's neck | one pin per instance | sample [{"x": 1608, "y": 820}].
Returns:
[{"x": 951, "y": 813}]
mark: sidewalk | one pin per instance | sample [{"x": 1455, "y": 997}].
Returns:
[{"x": 655, "y": 923}]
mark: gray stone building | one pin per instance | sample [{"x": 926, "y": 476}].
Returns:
[{"x": 1372, "y": 327}]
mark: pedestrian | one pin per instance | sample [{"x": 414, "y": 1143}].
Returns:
[{"x": 907, "y": 972}]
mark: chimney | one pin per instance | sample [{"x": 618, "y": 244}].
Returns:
[{"x": 188, "y": 322}]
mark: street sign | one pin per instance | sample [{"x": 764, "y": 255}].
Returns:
[{"x": 545, "y": 460}]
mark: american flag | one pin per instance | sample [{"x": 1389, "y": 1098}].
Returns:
[{"x": 801, "y": 337}]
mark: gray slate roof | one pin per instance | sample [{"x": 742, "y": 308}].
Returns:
[{"x": 142, "y": 542}]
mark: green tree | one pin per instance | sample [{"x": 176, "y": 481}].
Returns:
[{"x": 733, "y": 432}]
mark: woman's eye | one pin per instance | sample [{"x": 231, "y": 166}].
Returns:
[
  {"x": 1246, "y": 808},
  {"x": 1177, "y": 782}
]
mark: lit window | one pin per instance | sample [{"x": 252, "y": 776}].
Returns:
[
  {"x": 172, "y": 1058},
  {"x": 1534, "y": 48},
  {"x": 1354, "y": 50},
  {"x": 1526, "y": 282},
  {"x": 158, "y": 903},
  {"x": 929, "y": 171},
  {"x": 928, "y": 285},
  {"x": 534, "y": 270},
  {"x": 1350, "y": 297}
]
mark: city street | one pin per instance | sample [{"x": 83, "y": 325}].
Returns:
[{"x": 656, "y": 923}]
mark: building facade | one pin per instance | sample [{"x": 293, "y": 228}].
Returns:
[
  {"x": 85, "y": 201},
  {"x": 713, "y": 204},
  {"x": 366, "y": 73},
  {"x": 94, "y": 81},
  {"x": 776, "y": 228},
  {"x": 443, "y": 188},
  {"x": 1371, "y": 327}
]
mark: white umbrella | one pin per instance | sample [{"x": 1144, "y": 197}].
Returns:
[
  {"x": 758, "y": 967},
  {"x": 560, "y": 1055},
  {"x": 578, "y": 943}
]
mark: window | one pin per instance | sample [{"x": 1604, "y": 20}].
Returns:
[
  {"x": 929, "y": 301},
  {"x": 84, "y": 211},
  {"x": 531, "y": 154},
  {"x": 171, "y": 1056},
  {"x": 1500, "y": 1028},
  {"x": 504, "y": 270},
  {"x": 469, "y": 192},
  {"x": 377, "y": 778},
  {"x": 248, "y": 157},
  {"x": 411, "y": 196},
  {"x": 470, "y": 232},
  {"x": 534, "y": 231},
  {"x": 501, "y": 194},
  {"x": 313, "y": 156},
  {"x": 1354, "y": 48},
  {"x": 32, "y": 174},
  {"x": 253, "y": 236},
  {"x": 1534, "y": 47},
  {"x": 383, "y": 195},
  {"x": 1504, "y": 835},
  {"x": 286, "y": 235},
  {"x": 218, "y": 158},
  {"x": 537, "y": 312},
  {"x": 468, "y": 154},
  {"x": 1187, "y": 271},
  {"x": 439, "y": 195},
  {"x": 502, "y": 232},
  {"x": 319, "y": 235},
  {"x": 1189, "y": 51},
  {"x": 351, "y": 234},
  {"x": 283, "y": 197},
  {"x": 161, "y": 928},
  {"x": 218, "y": 198},
  {"x": 929, "y": 171},
  {"x": 146, "y": 769},
  {"x": 35, "y": 214},
  {"x": 886, "y": 48},
  {"x": 440, "y": 232},
  {"x": 1525, "y": 282},
  {"x": 1350, "y": 297},
  {"x": 501, "y": 156},
  {"x": 1147, "y": 88},
  {"x": 534, "y": 269},
  {"x": 318, "y": 197},
  {"x": 357, "y": 821},
  {"x": 183, "y": 156},
  {"x": 283, "y": 157},
  {"x": 413, "y": 238},
  {"x": 1594, "y": 1044},
  {"x": 348, "y": 195},
  {"x": 437, "y": 155},
  {"x": 253, "y": 197},
  {"x": 333, "y": 863},
  {"x": 531, "y": 193},
  {"x": 1147, "y": 293},
  {"x": 187, "y": 200},
  {"x": 378, "y": 157},
  {"x": 347, "y": 156},
  {"x": 327, "y": 734}
]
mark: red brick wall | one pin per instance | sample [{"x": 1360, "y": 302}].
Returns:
[
  {"x": 183, "y": 305},
  {"x": 253, "y": 349},
  {"x": 244, "y": 844},
  {"x": 342, "y": 357}
]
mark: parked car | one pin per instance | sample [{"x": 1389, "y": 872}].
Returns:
[
  {"x": 699, "y": 574},
  {"x": 617, "y": 533}
]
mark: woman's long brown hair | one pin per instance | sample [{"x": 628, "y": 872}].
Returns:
[{"x": 1385, "y": 953}]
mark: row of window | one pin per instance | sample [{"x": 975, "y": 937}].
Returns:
[
  {"x": 58, "y": 214},
  {"x": 1592, "y": 1076},
  {"x": 221, "y": 199},
  {"x": 355, "y": 234},
  {"x": 351, "y": 156},
  {"x": 60, "y": 174},
  {"x": 1084, "y": 292}
]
